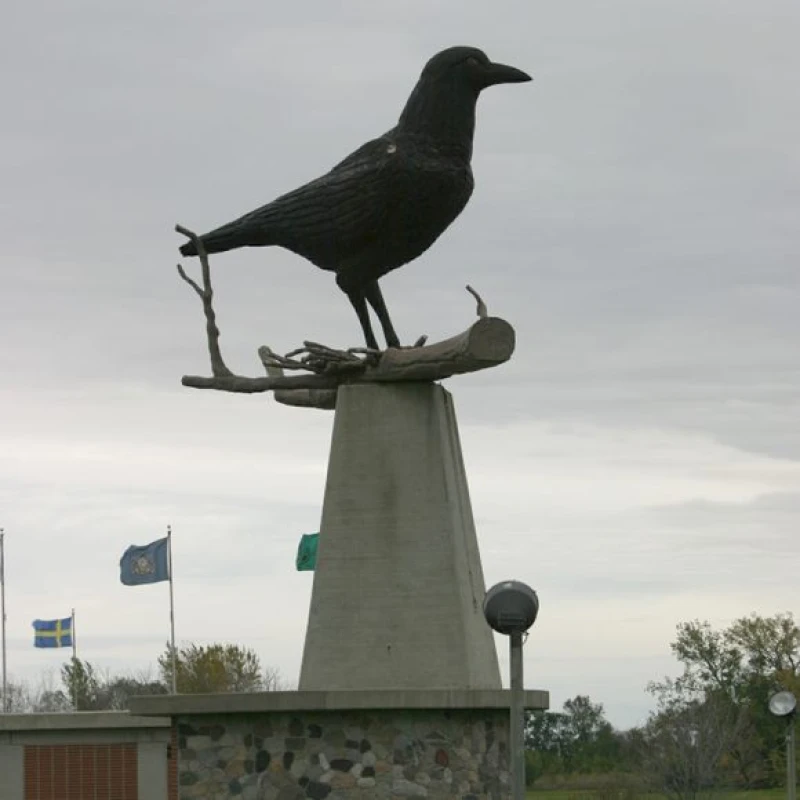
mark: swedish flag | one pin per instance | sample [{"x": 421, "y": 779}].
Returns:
[{"x": 52, "y": 632}]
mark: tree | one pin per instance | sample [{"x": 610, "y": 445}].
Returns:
[
  {"x": 585, "y": 719},
  {"x": 743, "y": 663},
  {"x": 45, "y": 697},
  {"x": 52, "y": 701},
  {"x": 119, "y": 690},
  {"x": 274, "y": 680},
  {"x": 579, "y": 739},
  {"x": 87, "y": 689},
  {"x": 213, "y": 668},
  {"x": 770, "y": 648},
  {"x": 82, "y": 685},
  {"x": 20, "y": 699},
  {"x": 684, "y": 744},
  {"x": 709, "y": 657},
  {"x": 754, "y": 649},
  {"x": 546, "y": 739}
]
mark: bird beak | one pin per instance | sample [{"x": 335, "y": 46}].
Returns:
[{"x": 502, "y": 73}]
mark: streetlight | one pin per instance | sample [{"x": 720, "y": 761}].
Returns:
[
  {"x": 784, "y": 704},
  {"x": 510, "y": 608}
]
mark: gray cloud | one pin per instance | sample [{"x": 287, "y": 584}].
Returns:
[{"x": 634, "y": 217}]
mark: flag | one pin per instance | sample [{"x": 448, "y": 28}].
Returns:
[
  {"x": 145, "y": 564},
  {"x": 52, "y": 632},
  {"x": 307, "y": 552}
]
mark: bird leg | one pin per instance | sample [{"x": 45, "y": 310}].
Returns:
[
  {"x": 375, "y": 298},
  {"x": 360, "y": 305}
]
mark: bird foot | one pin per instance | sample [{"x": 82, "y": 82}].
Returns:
[
  {"x": 320, "y": 359},
  {"x": 323, "y": 360},
  {"x": 419, "y": 343}
]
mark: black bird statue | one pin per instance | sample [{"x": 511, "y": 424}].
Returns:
[{"x": 389, "y": 201}]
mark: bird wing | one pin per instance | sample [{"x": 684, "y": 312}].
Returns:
[
  {"x": 329, "y": 213},
  {"x": 342, "y": 208},
  {"x": 371, "y": 196}
]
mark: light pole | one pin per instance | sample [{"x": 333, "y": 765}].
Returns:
[
  {"x": 784, "y": 704},
  {"x": 511, "y": 608}
]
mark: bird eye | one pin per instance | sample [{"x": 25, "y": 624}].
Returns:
[{"x": 473, "y": 62}]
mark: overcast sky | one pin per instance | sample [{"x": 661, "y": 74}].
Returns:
[{"x": 635, "y": 218}]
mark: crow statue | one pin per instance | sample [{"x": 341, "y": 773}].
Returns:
[{"x": 389, "y": 201}]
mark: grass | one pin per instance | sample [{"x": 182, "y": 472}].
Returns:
[{"x": 596, "y": 794}]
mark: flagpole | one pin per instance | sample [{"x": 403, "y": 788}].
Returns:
[
  {"x": 172, "y": 615},
  {"x": 6, "y": 704},
  {"x": 74, "y": 662}
]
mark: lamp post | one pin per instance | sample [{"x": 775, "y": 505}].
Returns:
[
  {"x": 511, "y": 608},
  {"x": 784, "y": 704}
]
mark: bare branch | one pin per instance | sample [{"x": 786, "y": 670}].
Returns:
[
  {"x": 241, "y": 385},
  {"x": 218, "y": 367},
  {"x": 190, "y": 281},
  {"x": 482, "y": 311}
]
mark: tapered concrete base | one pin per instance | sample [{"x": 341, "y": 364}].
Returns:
[{"x": 398, "y": 586}]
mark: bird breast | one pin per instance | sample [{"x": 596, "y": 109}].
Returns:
[{"x": 420, "y": 192}]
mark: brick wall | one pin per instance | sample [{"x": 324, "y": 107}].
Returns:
[
  {"x": 172, "y": 765},
  {"x": 81, "y": 772}
]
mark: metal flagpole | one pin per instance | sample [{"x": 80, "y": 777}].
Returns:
[
  {"x": 172, "y": 614},
  {"x": 74, "y": 662},
  {"x": 6, "y": 705}
]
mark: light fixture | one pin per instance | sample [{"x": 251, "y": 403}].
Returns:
[
  {"x": 782, "y": 704},
  {"x": 510, "y": 608}
]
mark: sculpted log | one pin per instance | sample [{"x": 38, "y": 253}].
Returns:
[{"x": 486, "y": 343}]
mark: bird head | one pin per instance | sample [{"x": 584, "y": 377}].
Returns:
[
  {"x": 471, "y": 67},
  {"x": 442, "y": 104}
]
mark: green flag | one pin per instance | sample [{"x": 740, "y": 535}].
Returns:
[{"x": 307, "y": 552}]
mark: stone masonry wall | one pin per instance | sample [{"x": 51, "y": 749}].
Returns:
[{"x": 349, "y": 754}]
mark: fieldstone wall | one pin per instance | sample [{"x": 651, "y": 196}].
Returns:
[{"x": 347, "y": 754}]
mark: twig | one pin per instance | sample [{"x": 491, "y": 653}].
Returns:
[
  {"x": 330, "y": 352},
  {"x": 272, "y": 359},
  {"x": 304, "y": 398},
  {"x": 318, "y": 358},
  {"x": 218, "y": 367},
  {"x": 482, "y": 311}
]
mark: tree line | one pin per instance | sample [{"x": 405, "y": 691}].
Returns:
[
  {"x": 199, "y": 669},
  {"x": 710, "y": 729}
]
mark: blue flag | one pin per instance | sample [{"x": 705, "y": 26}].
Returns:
[
  {"x": 52, "y": 632},
  {"x": 147, "y": 564}
]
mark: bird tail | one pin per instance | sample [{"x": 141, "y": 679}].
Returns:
[{"x": 217, "y": 241}]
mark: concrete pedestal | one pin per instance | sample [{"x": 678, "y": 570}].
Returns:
[
  {"x": 400, "y": 688},
  {"x": 398, "y": 586}
]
